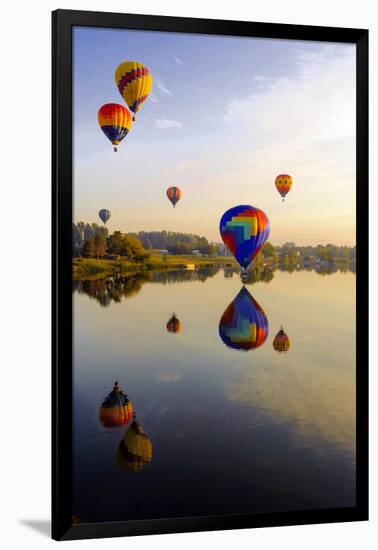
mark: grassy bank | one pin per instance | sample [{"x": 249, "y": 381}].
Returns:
[{"x": 86, "y": 268}]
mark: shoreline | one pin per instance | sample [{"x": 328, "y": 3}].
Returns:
[{"x": 87, "y": 268}]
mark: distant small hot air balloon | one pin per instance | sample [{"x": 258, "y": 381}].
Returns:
[
  {"x": 244, "y": 230},
  {"x": 283, "y": 184},
  {"x": 116, "y": 410},
  {"x": 281, "y": 342},
  {"x": 174, "y": 325},
  {"x": 104, "y": 215},
  {"x": 135, "y": 449},
  {"x": 174, "y": 195},
  {"x": 244, "y": 325},
  {"x": 115, "y": 122},
  {"x": 134, "y": 82}
]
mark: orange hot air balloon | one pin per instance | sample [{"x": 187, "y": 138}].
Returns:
[
  {"x": 284, "y": 183},
  {"x": 174, "y": 325},
  {"x": 281, "y": 342},
  {"x": 116, "y": 410},
  {"x": 115, "y": 122},
  {"x": 174, "y": 194}
]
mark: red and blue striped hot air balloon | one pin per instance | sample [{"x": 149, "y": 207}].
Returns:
[
  {"x": 174, "y": 195},
  {"x": 244, "y": 230},
  {"x": 244, "y": 325},
  {"x": 115, "y": 122}
]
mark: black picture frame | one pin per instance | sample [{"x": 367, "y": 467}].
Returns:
[{"x": 62, "y": 23}]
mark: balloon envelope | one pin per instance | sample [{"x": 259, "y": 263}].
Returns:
[
  {"x": 281, "y": 342},
  {"x": 283, "y": 184},
  {"x": 134, "y": 82},
  {"x": 114, "y": 121},
  {"x": 174, "y": 325},
  {"x": 174, "y": 194},
  {"x": 104, "y": 215},
  {"x": 116, "y": 409},
  {"x": 135, "y": 449},
  {"x": 244, "y": 325},
  {"x": 244, "y": 230}
]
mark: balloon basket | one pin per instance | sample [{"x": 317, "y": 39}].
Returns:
[
  {"x": 243, "y": 275},
  {"x": 115, "y": 149}
]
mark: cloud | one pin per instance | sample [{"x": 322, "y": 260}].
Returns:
[
  {"x": 153, "y": 98},
  {"x": 166, "y": 123},
  {"x": 316, "y": 103},
  {"x": 178, "y": 61},
  {"x": 161, "y": 86}
]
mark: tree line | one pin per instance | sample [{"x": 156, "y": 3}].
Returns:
[
  {"x": 94, "y": 241},
  {"x": 177, "y": 243}
]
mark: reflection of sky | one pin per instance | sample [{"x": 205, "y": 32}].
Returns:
[
  {"x": 286, "y": 419},
  {"x": 226, "y": 115}
]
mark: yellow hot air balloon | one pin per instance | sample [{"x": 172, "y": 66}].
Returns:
[
  {"x": 134, "y": 82},
  {"x": 135, "y": 449},
  {"x": 283, "y": 183}
]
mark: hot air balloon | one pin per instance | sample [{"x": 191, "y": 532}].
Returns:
[
  {"x": 244, "y": 230},
  {"x": 281, "y": 342},
  {"x": 115, "y": 122},
  {"x": 283, "y": 184},
  {"x": 174, "y": 195},
  {"x": 244, "y": 325},
  {"x": 116, "y": 410},
  {"x": 135, "y": 449},
  {"x": 174, "y": 325},
  {"x": 134, "y": 82},
  {"x": 104, "y": 215}
]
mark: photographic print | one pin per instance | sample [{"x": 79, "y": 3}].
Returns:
[{"x": 213, "y": 278}]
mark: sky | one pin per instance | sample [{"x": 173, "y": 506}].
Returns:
[{"x": 225, "y": 116}]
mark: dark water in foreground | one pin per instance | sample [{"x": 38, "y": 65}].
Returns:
[{"x": 231, "y": 431}]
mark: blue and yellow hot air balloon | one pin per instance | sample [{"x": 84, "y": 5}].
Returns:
[
  {"x": 283, "y": 183},
  {"x": 134, "y": 82},
  {"x": 174, "y": 194},
  {"x": 244, "y": 325},
  {"x": 135, "y": 449},
  {"x": 115, "y": 122},
  {"x": 244, "y": 230}
]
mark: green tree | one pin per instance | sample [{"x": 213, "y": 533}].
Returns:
[
  {"x": 89, "y": 250},
  {"x": 99, "y": 244}
]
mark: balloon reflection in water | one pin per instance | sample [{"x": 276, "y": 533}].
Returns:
[
  {"x": 174, "y": 325},
  {"x": 281, "y": 342},
  {"x": 116, "y": 410},
  {"x": 244, "y": 325},
  {"x": 135, "y": 449}
]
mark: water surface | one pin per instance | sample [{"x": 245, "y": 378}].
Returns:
[{"x": 231, "y": 431}]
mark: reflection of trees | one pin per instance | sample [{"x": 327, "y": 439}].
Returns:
[
  {"x": 112, "y": 289},
  {"x": 258, "y": 272},
  {"x": 116, "y": 287},
  {"x": 255, "y": 273},
  {"x": 180, "y": 276}
]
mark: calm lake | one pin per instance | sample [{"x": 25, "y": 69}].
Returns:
[{"x": 231, "y": 431}]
